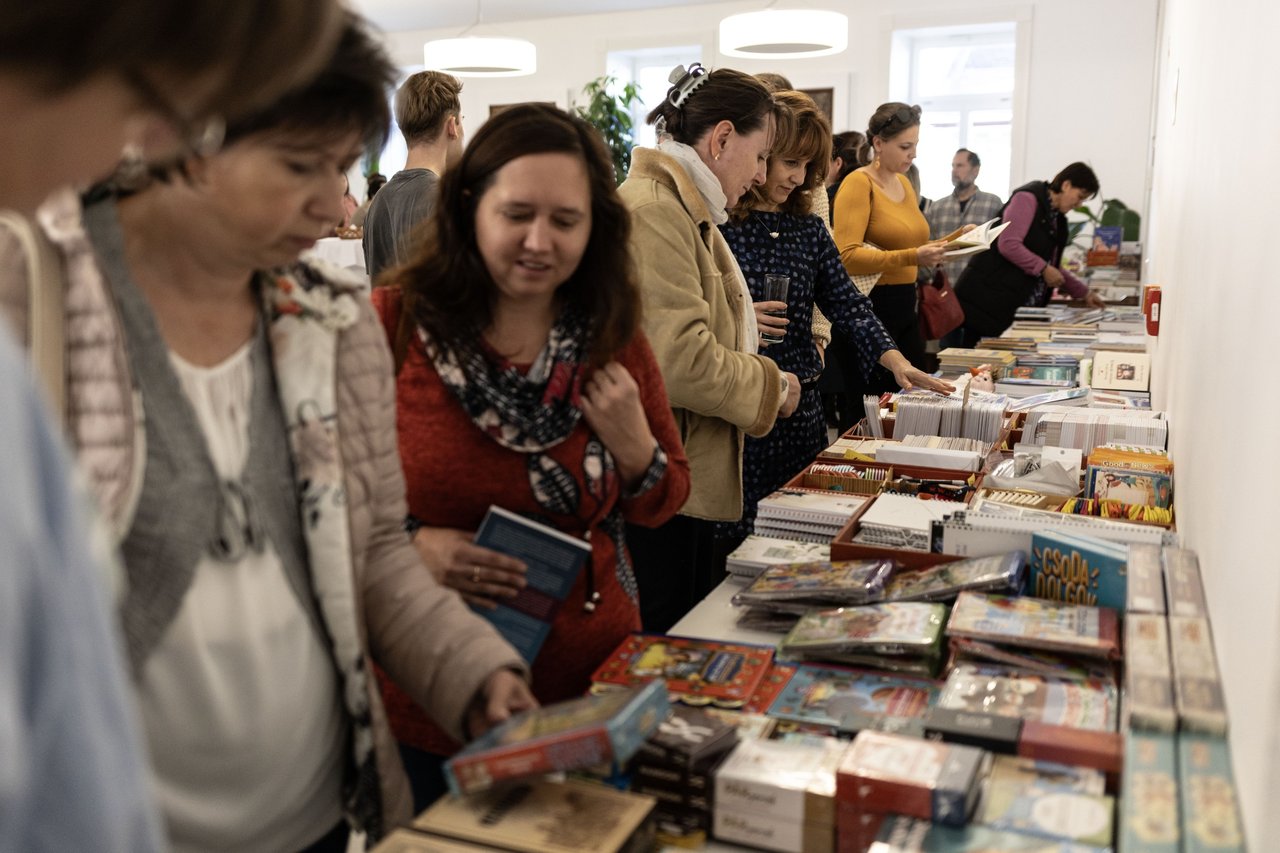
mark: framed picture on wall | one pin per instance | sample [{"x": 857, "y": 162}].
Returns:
[
  {"x": 494, "y": 109},
  {"x": 823, "y": 98}
]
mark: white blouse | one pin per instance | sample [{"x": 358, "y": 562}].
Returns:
[{"x": 240, "y": 698}]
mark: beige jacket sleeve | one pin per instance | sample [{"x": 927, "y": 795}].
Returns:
[
  {"x": 702, "y": 373},
  {"x": 422, "y": 634},
  {"x": 820, "y": 207}
]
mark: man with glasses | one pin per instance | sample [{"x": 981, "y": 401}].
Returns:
[{"x": 429, "y": 115}]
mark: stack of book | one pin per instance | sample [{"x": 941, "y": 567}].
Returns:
[
  {"x": 902, "y": 521},
  {"x": 806, "y": 515},
  {"x": 781, "y": 594},
  {"x": 757, "y": 553},
  {"x": 1000, "y": 573},
  {"x": 901, "y": 636},
  {"x": 954, "y": 360},
  {"x": 675, "y": 767}
]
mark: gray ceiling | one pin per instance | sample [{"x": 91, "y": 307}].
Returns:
[{"x": 396, "y": 15}]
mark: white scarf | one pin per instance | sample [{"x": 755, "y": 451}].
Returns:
[{"x": 713, "y": 195}]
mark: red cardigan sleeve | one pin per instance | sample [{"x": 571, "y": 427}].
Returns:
[{"x": 665, "y": 498}]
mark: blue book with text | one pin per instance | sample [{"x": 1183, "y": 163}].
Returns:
[{"x": 1078, "y": 569}]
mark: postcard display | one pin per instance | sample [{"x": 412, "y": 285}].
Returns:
[{"x": 957, "y": 666}]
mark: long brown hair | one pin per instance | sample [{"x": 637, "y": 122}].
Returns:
[
  {"x": 446, "y": 287},
  {"x": 805, "y": 135}
]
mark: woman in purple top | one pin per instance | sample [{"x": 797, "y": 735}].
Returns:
[{"x": 1026, "y": 263}]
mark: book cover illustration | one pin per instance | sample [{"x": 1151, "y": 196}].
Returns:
[
  {"x": 842, "y": 582},
  {"x": 899, "y": 628},
  {"x": 553, "y": 560},
  {"x": 1048, "y": 811},
  {"x": 1137, "y": 488},
  {"x": 1091, "y": 705},
  {"x": 565, "y": 817},
  {"x": 998, "y": 573},
  {"x": 1078, "y": 569},
  {"x": 696, "y": 671},
  {"x": 685, "y": 737},
  {"x": 1036, "y": 623},
  {"x": 1210, "y": 808},
  {"x": 1105, "y": 249},
  {"x": 883, "y": 772},
  {"x": 1149, "y": 799},
  {"x": 770, "y": 687},
  {"x": 901, "y": 834},
  {"x": 832, "y": 696},
  {"x": 570, "y": 735},
  {"x": 1028, "y": 771}
]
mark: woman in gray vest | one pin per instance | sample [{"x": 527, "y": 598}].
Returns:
[{"x": 237, "y": 414}]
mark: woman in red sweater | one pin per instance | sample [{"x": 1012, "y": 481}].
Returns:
[{"x": 524, "y": 381}]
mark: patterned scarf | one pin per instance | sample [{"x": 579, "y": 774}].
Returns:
[{"x": 535, "y": 411}]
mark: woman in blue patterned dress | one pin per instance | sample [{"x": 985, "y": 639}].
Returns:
[{"x": 772, "y": 231}]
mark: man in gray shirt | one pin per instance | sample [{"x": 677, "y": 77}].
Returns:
[
  {"x": 428, "y": 113},
  {"x": 966, "y": 205}
]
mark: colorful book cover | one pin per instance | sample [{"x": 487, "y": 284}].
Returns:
[
  {"x": 841, "y": 582},
  {"x": 770, "y": 688},
  {"x": 901, "y": 834},
  {"x": 899, "y": 628},
  {"x": 1136, "y": 488},
  {"x": 930, "y": 779},
  {"x": 553, "y": 560},
  {"x": 832, "y": 695},
  {"x": 1105, "y": 249},
  {"x": 1091, "y": 705},
  {"x": 997, "y": 573},
  {"x": 1149, "y": 795},
  {"x": 1210, "y": 808},
  {"x": 1049, "y": 812},
  {"x": 1028, "y": 771},
  {"x": 1036, "y": 623},
  {"x": 1078, "y": 569},
  {"x": 696, "y": 671},
  {"x": 568, "y": 735}
]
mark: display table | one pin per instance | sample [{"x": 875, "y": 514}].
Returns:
[{"x": 715, "y": 618}]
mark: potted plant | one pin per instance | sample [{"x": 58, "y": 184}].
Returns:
[
  {"x": 611, "y": 115},
  {"x": 1112, "y": 212}
]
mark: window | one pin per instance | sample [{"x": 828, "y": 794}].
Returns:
[
  {"x": 963, "y": 79},
  {"x": 649, "y": 69}
]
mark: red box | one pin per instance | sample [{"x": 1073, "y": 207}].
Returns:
[{"x": 1100, "y": 750}]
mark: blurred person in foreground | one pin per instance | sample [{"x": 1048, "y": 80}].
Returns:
[
  {"x": 79, "y": 83},
  {"x": 257, "y": 491}
]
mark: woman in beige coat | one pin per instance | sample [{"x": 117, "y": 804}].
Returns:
[
  {"x": 239, "y": 427},
  {"x": 714, "y": 134}
]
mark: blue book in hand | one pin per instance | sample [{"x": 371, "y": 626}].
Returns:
[{"x": 554, "y": 560}]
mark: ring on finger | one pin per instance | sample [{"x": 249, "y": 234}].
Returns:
[{"x": 475, "y": 574}]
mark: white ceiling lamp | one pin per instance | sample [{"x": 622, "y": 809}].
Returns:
[
  {"x": 480, "y": 56},
  {"x": 784, "y": 34}
]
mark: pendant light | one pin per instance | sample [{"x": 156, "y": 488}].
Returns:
[
  {"x": 480, "y": 56},
  {"x": 784, "y": 34}
]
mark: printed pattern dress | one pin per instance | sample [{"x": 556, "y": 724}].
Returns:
[{"x": 802, "y": 248}]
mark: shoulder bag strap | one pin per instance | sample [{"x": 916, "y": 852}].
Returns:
[{"x": 46, "y": 332}]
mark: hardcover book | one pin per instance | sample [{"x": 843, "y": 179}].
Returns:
[
  {"x": 992, "y": 689},
  {"x": 835, "y": 696},
  {"x": 1067, "y": 777},
  {"x": 546, "y": 817},
  {"x": 1078, "y": 569},
  {"x": 998, "y": 573},
  {"x": 1037, "y": 624},
  {"x": 1030, "y": 661},
  {"x": 1149, "y": 798},
  {"x": 1210, "y": 807},
  {"x": 1183, "y": 590},
  {"x": 884, "y": 772},
  {"x": 898, "y": 628},
  {"x": 1197, "y": 685},
  {"x": 1146, "y": 580},
  {"x": 1148, "y": 674},
  {"x": 901, "y": 834},
  {"x": 553, "y": 560},
  {"x": 697, "y": 672},
  {"x": 686, "y": 737},
  {"x": 568, "y": 735},
  {"x": 404, "y": 841},
  {"x": 1048, "y": 812}
]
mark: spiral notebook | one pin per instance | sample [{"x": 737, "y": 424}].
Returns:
[{"x": 970, "y": 534}]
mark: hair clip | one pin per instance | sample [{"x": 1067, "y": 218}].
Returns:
[{"x": 685, "y": 82}]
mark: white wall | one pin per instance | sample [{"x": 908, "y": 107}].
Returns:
[
  {"x": 1211, "y": 225},
  {"x": 1090, "y": 71}
]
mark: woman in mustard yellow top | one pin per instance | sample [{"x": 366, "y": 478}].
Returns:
[{"x": 879, "y": 229}]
